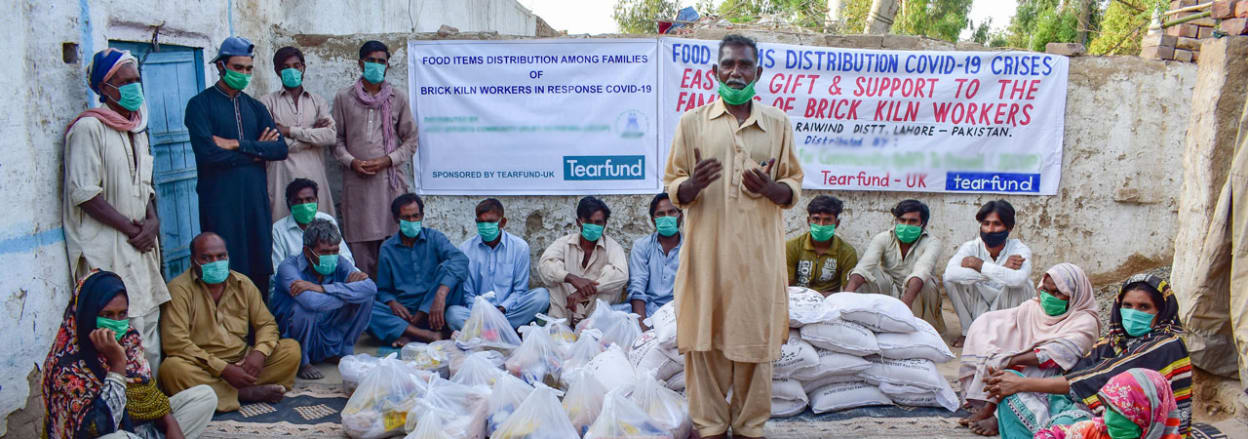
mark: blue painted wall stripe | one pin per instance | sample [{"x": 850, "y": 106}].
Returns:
[
  {"x": 22, "y": 244},
  {"x": 86, "y": 47}
]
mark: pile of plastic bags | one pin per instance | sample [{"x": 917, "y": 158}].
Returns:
[{"x": 552, "y": 383}]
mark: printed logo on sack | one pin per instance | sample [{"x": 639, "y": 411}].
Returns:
[
  {"x": 631, "y": 124},
  {"x": 604, "y": 167}
]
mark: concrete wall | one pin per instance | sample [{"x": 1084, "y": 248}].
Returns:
[
  {"x": 1114, "y": 215},
  {"x": 47, "y": 92}
]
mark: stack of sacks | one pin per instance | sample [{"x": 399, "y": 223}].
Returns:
[
  {"x": 871, "y": 351},
  {"x": 663, "y": 332}
]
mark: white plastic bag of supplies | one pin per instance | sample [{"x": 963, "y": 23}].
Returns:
[
  {"x": 506, "y": 396},
  {"x": 916, "y": 374},
  {"x": 647, "y": 356},
  {"x": 463, "y": 409},
  {"x": 843, "y": 396},
  {"x": 583, "y": 401},
  {"x": 622, "y": 419},
  {"x": 539, "y": 417},
  {"x": 583, "y": 351},
  {"x": 612, "y": 368},
  {"x": 663, "y": 322},
  {"x": 477, "y": 370},
  {"x": 677, "y": 382},
  {"x": 667, "y": 408},
  {"x": 925, "y": 343},
  {"x": 487, "y": 327},
  {"x": 496, "y": 358},
  {"x": 429, "y": 427},
  {"x": 841, "y": 336},
  {"x": 537, "y": 359},
  {"x": 877, "y": 312},
  {"x": 354, "y": 368},
  {"x": 431, "y": 356},
  {"x": 787, "y": 398},
  {"x": 795, "y": 354},
  {"x": 621, "y": 331},
  {"x": 806, "y": 306},
  {"x": 559, "y": 331},
  {"x": 602, "y": 317},
  {"x": 379, "y": 406}
]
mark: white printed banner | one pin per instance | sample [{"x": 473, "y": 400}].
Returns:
[
  {"x": 986, "y": 122},
  {"x": 535, "y": 117}
]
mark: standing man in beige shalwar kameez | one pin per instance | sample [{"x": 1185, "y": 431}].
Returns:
[
  {"x": 305, "y": 123},
  {"x": 110, "y": 203},
  {"x": 376, "y": 135},
  {"x": 732, "y": 306}
]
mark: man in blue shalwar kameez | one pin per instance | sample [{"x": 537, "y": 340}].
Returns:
[
  {"x": 419, "y": 274},
  {"x": 320, "y": 299},
  {"x": 233, "y": 136}
]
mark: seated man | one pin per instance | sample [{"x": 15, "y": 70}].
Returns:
[
  {"x": 217, "y": 331},
  {"x": 301, "y": 200},
  {"x": 419, "y": 273},
  {"x": 899, "y": 263},
  {"x": 582, "y": 267},
  {"x": 498, "y": 261},
  {"x": 288, "y": 231},
  {"x": 991, "y": 272},
  {"x": 820, "y": 260},
  {"x": 321, "y": 300},
  {"x": 653, "y": 261}
]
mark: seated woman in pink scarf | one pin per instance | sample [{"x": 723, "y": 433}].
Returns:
[
  {"x": 1042, "y": 337},
  {"x": 1138, "y": 404}
]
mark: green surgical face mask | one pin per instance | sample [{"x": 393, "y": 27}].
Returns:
[
  {"x": 1136, "y": 323},
  {"x": 907, "y": 233},
  {"x": 303, "y": 213},
  {"x": 374, "y": 72},
  {"x": 410, "y": 229},
  {"x": 1119, "y": 427},
  {"x": 214, "y": 273},
  {"x": 666, "y": 225},
  {"x": 119, "y": 327},
  {"x": 131, "y": 96},
  {"x": 488, "y": 231},
  {"x": 822, "y": 233},
  {"x": 292, "y": 78},
  {"x": 1051, "y": 304},
  {"x": 325, "y": 264},
  {"x": 591, "y": 232},
  {"x": 733, "y": 96},
  {"x": 235, "y": 80}
]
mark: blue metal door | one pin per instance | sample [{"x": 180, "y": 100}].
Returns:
[{"x": 171, "y": 76}]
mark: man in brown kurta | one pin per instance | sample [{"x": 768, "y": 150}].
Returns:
[
  {"x": 376, "y": 136},
  {"x": 305, "y": 123},
  {"x": 732, "y": 306}
]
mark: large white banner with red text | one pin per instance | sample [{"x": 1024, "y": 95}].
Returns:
[{"x": 985, "y": 122}]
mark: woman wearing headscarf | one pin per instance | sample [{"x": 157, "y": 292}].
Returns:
[
  {"x": 1042, "y": 337},
  {"x": 1144, "y": 332},
  {"x": 96, "y": 383},
  {"x": 1138, "y": 404}
]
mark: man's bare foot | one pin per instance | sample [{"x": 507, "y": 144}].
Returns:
[
  {"x": 980, "y": 411},
  {"x": 985, "y": 427},
  {"x": 402, "y": 341},
  {"x": 271, "y": 393},
  {"x": 958, "y": 342},
  {"x": 310, "y": 372}
]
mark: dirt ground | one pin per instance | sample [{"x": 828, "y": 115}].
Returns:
[{"x": 1215, "y": 399}]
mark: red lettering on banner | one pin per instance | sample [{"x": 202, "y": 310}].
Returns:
[{"x": 840, "y": 109}]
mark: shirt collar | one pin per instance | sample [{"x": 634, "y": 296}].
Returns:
[
  {"x": 286, "y": 92},
  {"x": 291, "y": 224},
  {"x": 718, "y": 109},
  {"x": 576, "y": 241},
  {"x": 229, "y": 279}
]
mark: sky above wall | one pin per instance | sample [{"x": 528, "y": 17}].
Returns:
[{"x": 594, "y": 16}]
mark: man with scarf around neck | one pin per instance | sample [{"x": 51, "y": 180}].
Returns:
[
  {"x": 990, "y": 272},
  {"x": 110, "y": 204},
  {"x": 730, "y": 292},
  {"x": 233, "y": 136},
  {"x": 376, "y": 136}
]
